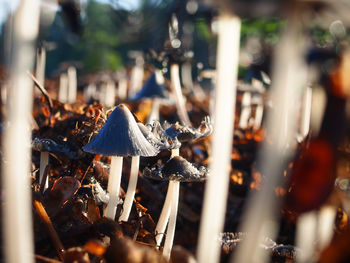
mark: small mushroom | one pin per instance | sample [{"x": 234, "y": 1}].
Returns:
[
  {"x": 120, "y": 136},
  {"x": 175, "y": 170},
  {"x": 153, "y": 89},
  {"x": 46, "y": 146},
  {"x": 176, "y": 133}
]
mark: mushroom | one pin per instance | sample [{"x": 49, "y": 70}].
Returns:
[
  {"x": 46, "y": 146},
  {"x": 176, "y": 133},
  {"x": 120, "y": 136},
  {"x": 153, "y": 89},
  {"x": 175, "y": 170},
  {"x": 159, "y": 143}
]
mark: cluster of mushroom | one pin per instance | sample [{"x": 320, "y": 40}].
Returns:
[{"x": 123, "y": 136}]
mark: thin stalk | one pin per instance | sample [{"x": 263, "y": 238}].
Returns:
[
  {"x": 245, "y": 110},
  {"x": 113, "y": 187},
  {"x": 17, "y": 207},
  {"x": 136, "y": 76},
  {"x": 169, "y": 238},
  {"x": 122, "y": 86},
  {"x": 164, "y": 215},
  {"x": 179, "y": 99},
  {"x": 43, "y": 91},
  {"x": 186, "y": 73},
  {"x": 154, "y": 115},
  {"x": 306, "y": 112},
  {"x": 130, "y": 193},
  {"x": 63, "y": 88},
  {"x": 289, "y": 76},
  {"x": 44, "y": 161},
  {"x": 259, "y": 113},
  {"x": 216, "y": 188},
  {"x": 40, "y": 65},
  {"x": 72, "y": 85},
  {"x": 306, "y": 229},
  {"x": 50, "y": 229},
  {"x": 109, "y": 99},
  {"x": 326, "y": 219}
]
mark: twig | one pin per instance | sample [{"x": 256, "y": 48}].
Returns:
[
  {"x": 43, "y": 181},
  {"x": 43, "y": 91},
  {"x": 48, "y": 224}
]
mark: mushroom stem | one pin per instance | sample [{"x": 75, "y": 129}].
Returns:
[
  {"x": 72, "y": 85},
  {"x": 113, "y": 187},
  {"x": 216, "y": 188},
  {"x": 16, "y": 217},
  {"x": 154, "y": 115},
  {"x": 169, "y": 239},
  {"x": 245, "y": 110},
  {"x": 44, "y": 161},
  {"x": 259, "y": 113},
  {"x": 306, "y": 112},
  {"x": 175, "y": 152},
  {"x": 179, "y": 99},
  {"x": 63, "y": 88},
  {"x": 164, "y": 215},
  {"x": 130, "y": 193}
]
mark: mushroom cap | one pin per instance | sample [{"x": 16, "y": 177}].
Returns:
[
  {"x": 187, "y": 133},
  {"x": 177, "y": 169},
  {"x": 121, "y": 136},
  {"x": 48, "y": 145},
  {"x": 160, "y": 143},
  {"x": 151, "y": 89}
]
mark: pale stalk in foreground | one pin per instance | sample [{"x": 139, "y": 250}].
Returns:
[
  {"x": 216, "y": 188},
  {"x": 130, "y": 193},
  {"x": 113, "y": 187},
  {"x": 17, "y": 211},
  {"x": 289, "y": 76}
]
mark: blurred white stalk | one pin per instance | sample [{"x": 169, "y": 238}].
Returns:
[
  {"x": 216, "y": 188},
  {"x": 122, "y": 85},
  {"x": 137, "y": 73},
  {"x": 110, "y": 94},
  {"x": 17, "y": 213},
  {"x": 306, "y": 112},
  {"x": 259, "y": 114},
  {"x": 63, "y": 88},
  {"x": 90, "y": 92},
  {"x": 288, "y": 79},
  {"x": 326, "y": 221},
  {"x": 177, "y": 93},
  {"x": 306, "y": 235},
  {"x": 40, "y": 68},
  {"x": 245, "y": 110},
  {"x": 72, "y": 85}
]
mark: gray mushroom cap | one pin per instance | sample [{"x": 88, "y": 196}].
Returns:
[
  {"x": 48, "y": 145},
  {"x": 152, "y": 89},
  {"x": 121, "y": 136},
  {"x": 160, "y": 143},
  {"x": 183, "y": 133},
  {"x": 177, "y": 169}
]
